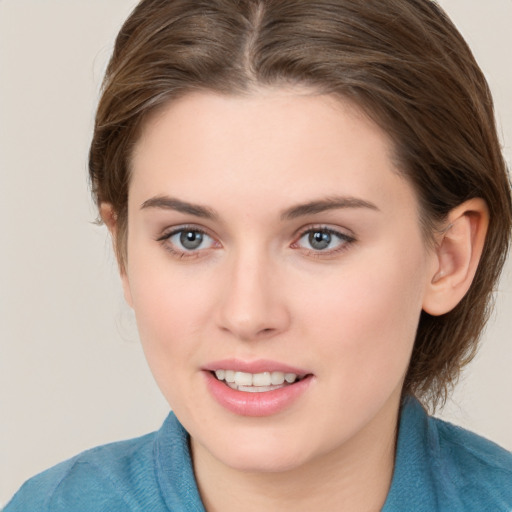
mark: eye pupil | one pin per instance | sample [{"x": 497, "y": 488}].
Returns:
[
  {"x": 191, "y": 239},
  {"x": 319, "y": 239}
]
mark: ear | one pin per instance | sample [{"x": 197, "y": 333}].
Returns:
[
  {"x": 109, "y": 217},
  {"x": 456, "y": 256}
]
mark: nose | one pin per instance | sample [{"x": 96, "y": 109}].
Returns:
[{"x": 253, "y": 305}]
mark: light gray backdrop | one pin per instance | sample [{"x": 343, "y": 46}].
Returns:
[{"x": 72, "y": 374}]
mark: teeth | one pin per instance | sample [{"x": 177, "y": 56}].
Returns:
[
  {"x": 265, "y": 380},
  {"x": 257, "y": 389},
  {"x": 252, "y": 389},
  {"x": 277, "y": 377},
  {"x": 243, "y": 379},
  {"x": 261, "y": 379}
]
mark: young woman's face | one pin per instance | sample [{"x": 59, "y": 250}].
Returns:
[{"x": 271, "y": 235}]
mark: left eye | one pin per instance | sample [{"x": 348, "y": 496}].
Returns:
[
  {"x": 322, "y": 240},
  {"x": 190, "y": 240}
]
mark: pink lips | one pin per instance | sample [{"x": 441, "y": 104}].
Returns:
[
  {"x": 258, "y": 366},
  {"x": 255, "y": 404}
]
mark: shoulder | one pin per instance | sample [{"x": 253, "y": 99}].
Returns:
[
  {"x": 153, "y": 472},
  {"x": 110, "y": 477},
  {"x": 479, "y": 470},
  {"x": 445, "y": 468}
]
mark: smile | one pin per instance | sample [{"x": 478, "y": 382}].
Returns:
[
  {"x": 256, "y": 382},
  {"x": 257, "y": 388}
]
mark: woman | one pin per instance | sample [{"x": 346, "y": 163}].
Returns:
[{"x": 310, "y": 210}]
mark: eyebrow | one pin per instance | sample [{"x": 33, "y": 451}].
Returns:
[
  {"x": 330, "y": 203},
  {"x": 171, "y": 203},
  {"x": 300, "y": 210}
]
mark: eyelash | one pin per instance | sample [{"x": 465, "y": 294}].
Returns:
[
  {"x": 345, "y": 241},
  {"x": 182, "y": 254}
]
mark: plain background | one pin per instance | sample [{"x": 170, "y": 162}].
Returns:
[{"x": 72, "y": 374}]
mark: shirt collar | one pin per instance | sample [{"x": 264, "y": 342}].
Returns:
[
  {"x": 412, "y": 486},
  {"x": 173, "y": 465}
]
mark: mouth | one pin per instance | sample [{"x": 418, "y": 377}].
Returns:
[
  {"x": 256, "y": 388},
  {"x": 261, "y": 382}
]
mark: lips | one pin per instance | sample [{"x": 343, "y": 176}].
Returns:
[
  {"x": 258, "y": 366},
  {"x": 258, "y": 388}
]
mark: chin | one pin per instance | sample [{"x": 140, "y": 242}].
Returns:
[
  {"x": 253, "y": 461},
  {"x": 264, "y": 450}
]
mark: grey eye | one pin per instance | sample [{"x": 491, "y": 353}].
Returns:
[
  {"x": 319, "y": 240},
  {"x": 191, "y": 240},
  {"x": 323, "y": 240},
  {"x": 188, "y": 240}
]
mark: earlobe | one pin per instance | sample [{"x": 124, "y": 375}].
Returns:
[{"x": 456, "y": 256}]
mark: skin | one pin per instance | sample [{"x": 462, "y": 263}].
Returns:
[{"x": 257, "y": 289}]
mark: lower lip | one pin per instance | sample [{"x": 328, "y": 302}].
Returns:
[{"x": 256, "y": 404}]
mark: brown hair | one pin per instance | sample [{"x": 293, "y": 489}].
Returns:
[{"x": 402, "y": 61}]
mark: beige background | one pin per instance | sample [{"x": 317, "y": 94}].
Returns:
[{"x": 72, "y": 374}]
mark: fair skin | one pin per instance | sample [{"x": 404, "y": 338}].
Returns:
[{"x": 226, "y": 263}]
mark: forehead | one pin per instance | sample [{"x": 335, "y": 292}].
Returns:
[{"x": 272, "y": 144}]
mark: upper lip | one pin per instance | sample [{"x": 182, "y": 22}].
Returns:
[{"x": 256, "y": 366}]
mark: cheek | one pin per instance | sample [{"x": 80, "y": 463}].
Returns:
[
  {"x": 368, "y": 318},
  {"x": 171, "y": 306},
  {"x": 169, "y": 311},
  {"x": 168, "y": 308}
]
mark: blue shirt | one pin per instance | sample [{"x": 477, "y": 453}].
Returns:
[{"x": 438, "y": 467}]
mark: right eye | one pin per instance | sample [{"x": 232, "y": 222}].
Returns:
[{"x": 187, "y": 241}]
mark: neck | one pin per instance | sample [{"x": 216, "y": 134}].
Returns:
[{"x": 356, "y": 476}]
